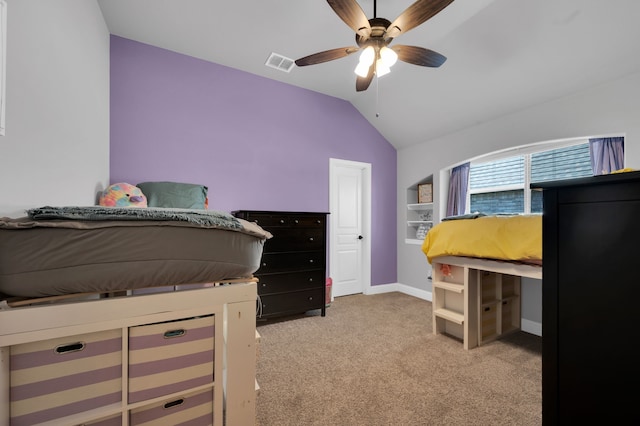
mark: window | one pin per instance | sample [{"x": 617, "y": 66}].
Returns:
[{"x": 502, "y": 186}]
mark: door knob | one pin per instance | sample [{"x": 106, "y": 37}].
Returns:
[{"x": 360, "y": 237}]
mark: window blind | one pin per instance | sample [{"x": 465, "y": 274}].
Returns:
[
  {"x": 503, "y": 172},
  {"x": 562, "y": 163}
]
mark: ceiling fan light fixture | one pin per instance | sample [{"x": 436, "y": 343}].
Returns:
[
  {"x": 362, "y": 70},
  {"x": 382, "y": 68},
  {"x": 367, "y": 56},
  {"x": 388, "y": 56},
  {"x": 366, "y": 59}
]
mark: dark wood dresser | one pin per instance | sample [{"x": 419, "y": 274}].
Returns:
[
  {"x": 590, "y": 297},
  {"x": 292, "y": 274}
]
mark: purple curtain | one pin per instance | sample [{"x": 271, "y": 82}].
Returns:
[
  {"x": 607, "y": 155},
  {"x": 458, "y": 186}
]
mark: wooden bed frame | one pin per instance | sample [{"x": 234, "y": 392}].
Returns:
[
  {"x": 232, "y": 303},
  {"x": 477, "y": 300}
]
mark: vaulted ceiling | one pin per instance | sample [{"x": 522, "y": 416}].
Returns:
[{"x": 502, "y": 55}]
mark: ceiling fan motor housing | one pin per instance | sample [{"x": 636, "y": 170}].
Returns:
[{"x": 377, "y": 37}]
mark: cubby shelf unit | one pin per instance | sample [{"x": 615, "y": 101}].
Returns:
[
  {"x": 419, "y": 215},
  {"x": 473, "y": 304},
  {"x": 414, "y": 220}
]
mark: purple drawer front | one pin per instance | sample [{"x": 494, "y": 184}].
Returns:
[
  {"x": 115, "y": 420},
  {"x": 55, "y": 378},
  {"x": 170, "y": 357},
  {"x": 195, "y": 409}
]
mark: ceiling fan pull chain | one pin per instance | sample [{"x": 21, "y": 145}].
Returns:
[{"x": 377, "y": 87}]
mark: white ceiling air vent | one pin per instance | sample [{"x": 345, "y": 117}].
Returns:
[{"x": 280, "y": 62}]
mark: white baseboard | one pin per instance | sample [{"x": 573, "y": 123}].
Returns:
[
  {"x": 402, "y": 288},
  {"x": 382, "y": 288},
  {"x": 525, "y": 324},
  {"x": 531, "y": 327}
]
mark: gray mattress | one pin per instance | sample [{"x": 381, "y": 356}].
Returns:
[{"x": 56, "y": 257}]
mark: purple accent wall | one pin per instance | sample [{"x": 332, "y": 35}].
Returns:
[{"x": 258, "y": 144}]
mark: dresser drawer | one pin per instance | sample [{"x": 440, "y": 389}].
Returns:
[
  {"x": 290, "y": 281},
  {"x": 286, "y": 262},
  {"x": 288, "y": 239},
  {"x": 293, "y": 302},
  {"x": 170, "y": 357},
  {"x": 275, "y": 219}
]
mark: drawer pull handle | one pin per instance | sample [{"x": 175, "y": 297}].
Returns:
[
  {"x": 264, "y": 263},
  {"x": 310, "y": 298},
  {"x": 310, "y": 260},
  {"x": 281, "y": 220},
  {"x": 487, "y": 309},
  {"x": 264, "y": 284},
  {"x": 72, "y": 347},
  {"x": 174, "y": 333},
  {"x": 310, "y": 280},
  {"x": 310, "y": 238},
  {"x": 296, "y": 221},
  {"x": 175, "y": 403}
]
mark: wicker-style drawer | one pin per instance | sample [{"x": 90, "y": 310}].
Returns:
[
  {"x": 115, "y": 420},
  {"x": 170, "y": 357},
  {"x": 55, "y": 378},
  {"x": 192, "y": 409}
]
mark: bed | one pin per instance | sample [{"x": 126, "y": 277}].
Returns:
[
  {"x": 66, "y": 250},
  {"x": 510, "y": 238},
  {"x": 477, "y": 263}
]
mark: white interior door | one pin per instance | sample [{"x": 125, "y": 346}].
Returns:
[{"x": 350, "y": 247}]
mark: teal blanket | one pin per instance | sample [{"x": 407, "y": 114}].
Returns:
[{"x": 211, "y": 218}]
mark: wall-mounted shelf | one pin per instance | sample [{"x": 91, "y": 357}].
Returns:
[
  {"x": 419, "y": 215},
  {"x": 419, "y": 221}
]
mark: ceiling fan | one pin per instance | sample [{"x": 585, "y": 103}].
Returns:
[{"x": 374, "y": 35}]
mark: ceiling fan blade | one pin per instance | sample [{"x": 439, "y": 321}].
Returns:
[
  {"x": 414, "y": 15},
  {"x": 362, "y": 83},
  {"x": 353, "y": 15},
  {"x": 327, "y": 55},
  {"x": 419, "y": 56}
]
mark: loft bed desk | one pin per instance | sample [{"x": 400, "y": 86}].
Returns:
[{"x": 477, "y": 263}]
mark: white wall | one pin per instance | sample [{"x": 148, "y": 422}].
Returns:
[
  {"x": 611, "y": 108},
  {"x": 56, "y": 147}
]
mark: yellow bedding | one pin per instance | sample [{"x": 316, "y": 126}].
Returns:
[{"x": 513, "y": 238}]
